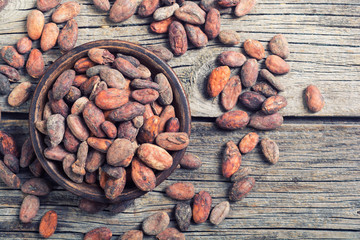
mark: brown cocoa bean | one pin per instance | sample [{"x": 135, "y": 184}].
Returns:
[
  {"x": 91, "y": 206},
  {"x": 103, "y": 5},
  {"x": 83, "y": 64},
  {"x": 134, "y": 61},
  {"x": 277, "y": 65},
  {"x": 7, "y": 144},
  {"x": 145, "y": 96},
  {"x": 79, "y": 105},
  {"x": 240, "y": 189},
  {"x": 55, "y": 153},
  {"x": 233, "y": 120},
  {"x": 87, "y": 87},
  {"x": 120, "y": 153},
  {"x": 128, "y": 131},
  {"x": 220, "y": 212},
  {"x": 132, "y": 235},
  {"x": 102, "y": 233},
  {"x": 273, "y": 104},
  {"x": 95, "y": 70},
  {"x": 313, "y": 98},
  {"x": 94, "y": 160},
  {"x": 217, "y": 80},
  {"x": 173, "y": 141},
  {"x": 73, "y": 95},
  {"x": 231, "y": 93},
  {"x": 201, "y": 207},
  {"x": 191, "y": 13},
  {"x": 148, "y": 112},
  {"x": 254, "y": 49},
  {"x": 231, "y": 160},
  {"x": 232, "y": 59},
  {"x": 143, "y": 176},
  {"x": 143, "y": 84},
  {"x": 47, "y": 111},
  {"x": 249, "y": 142},
  {"x": 181, "y": 191},
  {"x": 55, "y": 126},
  {"x": 113, "y": 78},
  {"x": 272, "y": 79},
  {"x": 278, "y": 45},
  {"x": 36, "y": 168},
  {"x": 36, "y": 186},
  {"x": 161, "y": 26},
  {"x": 78, "y": 166},
  {"x": 244, "y": 7},
  {"x": 35, "y": 24},
  {"x": 98, "y": 87},
  {"x": 197, "y": 37},
  {"x": 261, "y": 121},
  {"x": 145, "y": 72},
  {"x": 27, "y": 153},
  {"x": 68, "y": 36},
  {"x": 178, "y": 38},
  {"x": 270, "y": 150},
  {"x": 170, "y": 233},
  {"x": 148, "y": 7},
  {"x": 166, "y": 114},
  {"x": 65, "y": 12},
  {"x": 11, "y": 73},
  {"x": 126, "y": 68},
  {"x": 240, "y": 174},
  {"x": 100, "y": 144},
  {"x": 24, "y": 45},
  {"x": 154, "y": 156},
  {"x": 48, "y": 224},
  {"x": 70, "y": 141},
  {"x": 49, "y": 36},
  {"x": 183, "y": 215},
  {"x": 127, "y": 112},
  {"x": 264, "y": 89},
  {"x": 190, "y": 161},
  {"x": 114, "y": 172},
  {"x": 229, "y": 37},
  {"x": 68, "y": 161},
  {"x": 162, "y": 52},
  {"x": 29, "y": 208},
  {"x": 249, "y": 72},
  {"x": 155, "y": 223},
  {"x": 252, "y": 100},
  {"x": 228, "y": 3},
  {"x": 94, "y": 117},
  {"x": 46, "y": 5},
  {"x": 100, "y": 56},
  {"x": 212, "y": 23},
  {"x": 62, "y": 84},
  {"x": 35, "y": 65},
  {"x": 163, "y": 13},
  {"x": 8, "y": 177},
  {"x": 122, "y": 10},
  {"x": 172, "y": 125},
  {"x": 12, "y": 57},
  {"x": 149, "y": 131},
  {"x": 111, "y": 98},
  {"x": 80, "y": 79},
  {"x": 91, "y": 178},
  {"x": 109, "y": 129},
  {"x": 165, "y": 92},
  {"x": 138, "y": 121},
  {"x": 4, "y": 85},
  {"x": 114, "y": 187},
  {"x": 12, "y": 162}
]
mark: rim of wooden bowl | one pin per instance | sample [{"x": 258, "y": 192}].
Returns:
[{"x": 146, "y": 57}]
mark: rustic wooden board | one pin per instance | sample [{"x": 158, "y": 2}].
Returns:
[
  {"x": 323, "y": 37},
  {"x": 312, "y": 193}
]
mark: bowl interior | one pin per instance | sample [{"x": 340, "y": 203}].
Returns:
[{"x": 147, "y": 58}]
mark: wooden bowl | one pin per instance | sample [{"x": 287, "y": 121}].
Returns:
[{"x": 147, "y": 58}]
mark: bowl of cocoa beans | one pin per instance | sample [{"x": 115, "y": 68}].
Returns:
[{"x": 109, "y": 121}]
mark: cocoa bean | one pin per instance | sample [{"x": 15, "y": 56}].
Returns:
[
  {"x": 58, "y": 107},
  {"x": 262, "y": 121},
  {"x": 35, "y": 65},
  {"x": 95, "y": 70},
  {"x": 173, "y": 141},
  {"x": 62, "y": 84},
  {"x": 36, "y": 186},
  {"x": 201, "y": 207},
  {"x": 148, "y": 7},
  {"x": 190, "y": 161},
  {"x": 272, "y": 79},
  {"x": 252, "y": 100},
  {"x": 36, "y": 168},
  {"x": 56, "y": 153},
  {"x": 170, "y": 233},
  {"x": 134, "y": 61},
  {"x": 264, "y": 89},
  {"x": 65, "y": 12},
  {"x": 48, "y": 224},
  {"x": 191, "y": 13},
  {"x": 161, "y": 51},
  {"x": 155, "y": 223},
  {"x": 181, "y": 191},
  {"x": 231, "y": 160},
  {"x": 111, "y": 98},
  {"x": 231, "y": 93},
  {"x": 120, "y": 153},
  {"x": 12, "y": 162},
  {"x": 220, "y": 212},
  {"x": 145, "y": 72},
  {"x": 113, "y": 78},
  {"x": 178, "y": 38},
  {"x": 132, "y": 235},
  {"x": 143, "y": 84},
  {"x": 70, "y": 141},
  {"x": 126, "y": 68},
  {"x": 274, "y": 104},
  {"x": 122, "y": 10},
  {"x": 78, "y": 166},
  {"x": 249, "y": 142},
  {"x": 313, "y": 98},
  {"x": 24, "y": 45},
  {"x": 103, "y": 5},
  {"x": 35, "y": 24},
  {"x": 154, "y": 156},
  {"x": 148, "y": 112},
  {"x": 27, "y": 153},
  {"x": 114, "y": 187},
  {"x": 244, "y": 7},
  {"x": 270, "y": 150},
  {"x": 68, "y": 36},
  {"x": 197, "y": 37},
  {"x": 109, "y": 129},
  {"x": 55, "y": 126},
  {"x": 217, "y": 80},
  {"x": 165, "y": 92},
  {"x": 12, "y": 57},
  {"x": 88, "y": 86},
  {"x": 127, "y": 112},
  {"x": 115, "y": 172},
  {"x": 249, "y": 72},
  {"x": 68, "y": 161},
  {"x": 278, "y": 45},
  {"x": 94, "y": 117},
  {"x": 232, "y": 58},
  {"x": 83, "y": 64},
  {"x": 228, "y": 3},
  {"x": 47, "y": 111},
  {"x": 229, "y": 37},
  {"x": 8, "y": 177},
  {"x": 163, "y": 13},
  {"x": 145, "y": 96},
  {"x": 80, "y": 79},
  {"x": 100, "y": 56},
  {"x": 183, "y": 215},
  {"x": 149, "y": 131},
  {"x": 79, "y": 105},
  {"x": 102, "y": 233},
  {"x": 11, "y": 73},
  {"x": 240, "y": 189},
  {"x": 143, "y": 176},
  {"x": 277, "y": 65},
  {"x": 172, "y": 125},
  {"x": 138, "y": 121},
  {"x": 94, "y": 160},
  {"x": 161, "y": 26},
  {"x": 128, "y": 131},
  {"x": 100, "y": 144},
  {"x": 212, "y": 23},
  {"x": 49, "y": 36},
  {"x": 91, "y": 206},
  {"x": 254, "y": 49},
  {"x": 29, "y": 208},
  {"x": 73, "y": 95},
  {"x": 4, "y": 85},
  {"x": 7, "y": 144},
  {"x": 233, "y": 120},
  {"x": 46, "y": 5},
  {"x": 240, "y": 174}
]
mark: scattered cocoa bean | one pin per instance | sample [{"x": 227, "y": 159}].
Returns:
[
  {"x": 196, "y": 36},
  {"x": 35, "y": 24},
  {"x": 65, "y": 12},
  {"x": 48, "y": 224},
  {"x": 264, "y": 89},
  {"x": 24, "y": 45},
  {"x": 36, "y": 186},
  {"x": 217, "y": 80},
  {"x": 240, "y": 189},
  {"x": 181, "y": 191},
  {"x": 244, "y": 7},
  {"x": 220, "y": 212},
  {"x": 12, "y": 57},
  {"x": 229, "y": 37},
  {"x": 231, "y": 160},
  {"x": 12, "y": 162},
  {"x": 233, "y": 120},
  {"x": 190, "y": 161},
  {"x": 313, "y": 98},
  {"x": 102, "y": 233},
  {"x": 274, "y": 104},
  {"x": 249, "y": 72},
  {"x": 178, "y": 38},
  {"x": 29, "y": 208},
  {"x": 68, "y": 36},
  {"x": 201, "y": 207},
  {"x": 103, "y": 5},
  {"x": 49, "y": 36},
  {"x": 7, "y": 144},
  {"x": 279, "y": 46},
  {"x": 163, "y": 13},
  {"x": 270, "y": 150},
  {"x": 249, "y": 142},
  {"x": 231, "y": 93},
  {"x": 122, "y": 10},
  {"x": 8, "y": 177},
  {"x": 191, "y": 13},
  {"x": 252, "y": 100},
  {"x": 11, "y": 73},
  {"x": 91, "y": 206},
  {"x": 27, "y": 153},
  {"x": 232, "y": 59},
  {"x": 272, "y": 79},
  {"x": 155, "y": 223},
  {"x": 261, "y": 121},
  {"x": 254, "y": 49},
  {"x": 240, "y": 174},
  {"x": 36, "y": 168},
  {"x": 46, "y": 5},
  {"x": 161, "y": 26},
  {"x": 183, "y": 215},
  {"x": 4, "y": 85},
  {"x": 277, "y": 65},
  {"x": 132, "y": 235},
  {"x": 148, "y": 7},
  {"x": 170, "y": 233},
  {"x": 143, "y": 176}
]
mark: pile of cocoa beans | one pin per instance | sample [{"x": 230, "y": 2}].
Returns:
[
  {"x": 48, "y": 35},
  {"x": 183, "y": 20}
]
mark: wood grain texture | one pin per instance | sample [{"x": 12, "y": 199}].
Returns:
[
  {"x": 312, "y": 193},
  {"x": 323, "y": 38}
]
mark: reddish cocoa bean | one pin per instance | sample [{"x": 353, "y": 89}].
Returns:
[
  {"x": 126, "y": 68},
  {"x": 178, "y": 38},
  {"x": 109, "y": 129},
  {"x": 48, "y": 224},
  {"x": 313, "y": 98},
  {"x": 79, "y": 105},
  {"x": 212, "y": 23},
  {"x": 191, "y": 13},
  {"x": 68, "y": 36},
  {"x": 240, "y": 189},
  {"x": 231, "y": 160},
  {"x": 35, "y": 65},
  {"x": 8, "y": 177},
  {"x": 249, "y": 142},
  {"x": 78, "y": 166},
  {"x": 228, "y": 3},
  {"x": 145, "y": 96},
  {"x": 154, "y": 156},
  {"x": 217, "y": 80},
  {"x": 181, "y": 191},
  {"x": 29, "y": 208},
  {"x": 148, "y": 7},
  {"x": 55, "y": 153},
  {"x": 122, "y": 10},
  {"x": 161, "y": 26},
  {"x": 149, "y": 130},
  {"x": 111, "y": 98},
  {"x": 36, "y": 186},
  {"x": 73, "y": 95},
  {"x": 233, "y": 120},
  {"x": 24, "y": 45},
  {"x": 87, "y": 87},
  {"x": 100, "y": 144},
  {"x": 65, "y": 12},
  {"x": 165, "y": 92},
  {"x": 94, "y": 117},
  {"x": 27, "y": 153},
  {"x": 70, "y": 141},
  {"x": 232, "y": 58},
  {"x": 49, "y": 36},
  {"x": 120, "y": 153},
  {"x": 201, "y": 207},
  {"x": 11, "y": 73},
  {"x": 279, "y": 46},
  {"x": 132, "y": 235},
  {"x": 254, "y": 49},
  {"x": 12, "y": 162},
  {"x": 7, "y": 144},
  {"x": 46, "y": 5},
  {"x": 103, "y": 5},
  {"x": 197, "y": 37},
  {"x": 229, "y": 37},
  {"x": 83, "y": 64},
  {"x": 143, "y": 176},
  {"x": 35, "y": 24},
  {"x": 12, "y": 57},
  {"x": 166, "y": 114},
  {"x": 128, "y": 131},
  {"x": 155, "y": 223},
  {"x": 100, "y": 56},
  {"x": 252, "y": 100},
  {"x": 264, "y": 89},
  {"x": 274, "y": 104},
  {"x": 173, "y": 141},
  {"x": 172, "y": 125},
  {"x": 231, "y": 93},
  {"x": 79, "y": 79},
  {"x": 262, "y": 121},
  {"x": 114, "y": 187},
  {"x": 277, "y": 65},
  {"x": 127, "y": 112},
  {"x": 170, "y": 233},
  {"x": 244, "y": 7},
  {"x": 190, "y": 161},
  {"x": 102, "y": 233}
]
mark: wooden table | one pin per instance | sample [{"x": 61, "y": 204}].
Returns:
[{"x": 314, "y": 190}]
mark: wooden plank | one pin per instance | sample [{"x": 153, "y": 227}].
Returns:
[
  {"x": 323, "y": 39},
  {"x": 312, "y": 193}
]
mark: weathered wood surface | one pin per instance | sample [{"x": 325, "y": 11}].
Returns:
[
  {"x": 323, "y": 36},
  {"x": 312, "y": 193}
]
